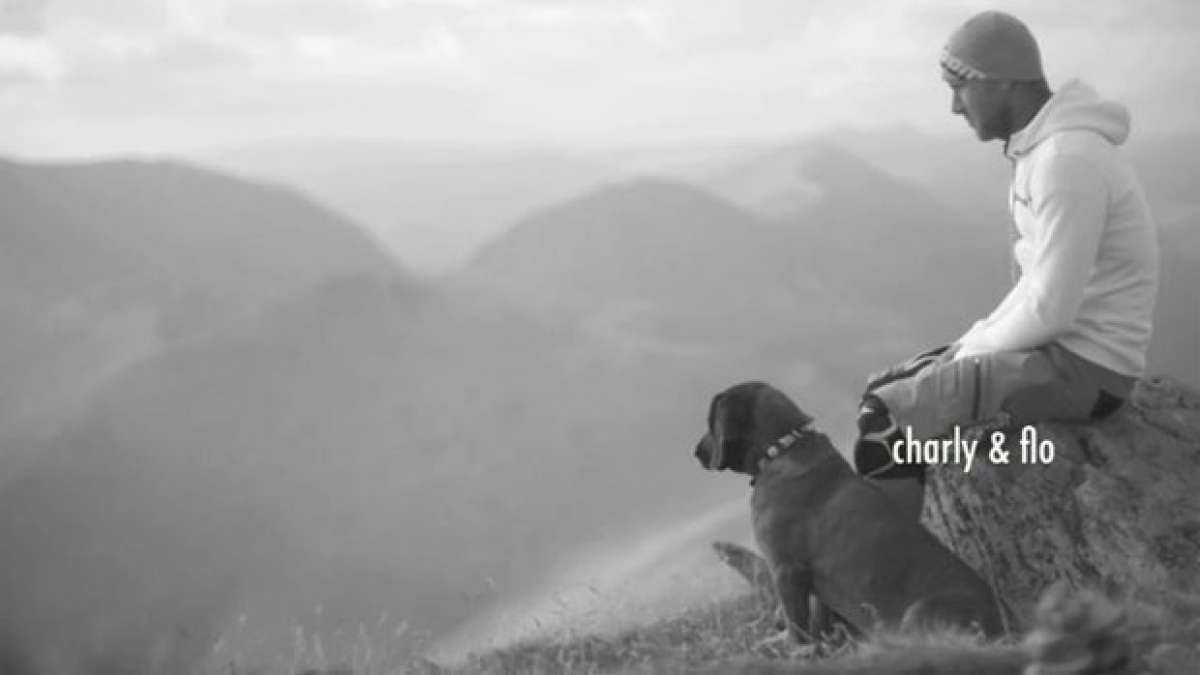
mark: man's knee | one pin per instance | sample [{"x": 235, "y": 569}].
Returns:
[
  {"x": 872, "y": 460},
  {"x": 878, "y": 432}
]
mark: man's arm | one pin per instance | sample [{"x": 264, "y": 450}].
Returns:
[
  {"x": 1069, "y": 220},
  {"x": 983, "y": 324}
]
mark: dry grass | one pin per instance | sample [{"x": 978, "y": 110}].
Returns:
[
  {"x": 1157, "y": 633},
  {"x": 384, "y": 646},
  {"x": 731, "y": 637}
]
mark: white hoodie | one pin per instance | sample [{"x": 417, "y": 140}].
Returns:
[{"x": 1087, "y": 244}]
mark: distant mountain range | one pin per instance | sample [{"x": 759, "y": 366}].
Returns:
[
  {"x": 172, "y": 227},
  {"x": 881, "y": 241},
  {"x": 103, "y": 268},
  {"x": 102, "y": 263},
  {"x": 430, "y": 206},
  {"x": 908, "y": 223},
  {"x": 240, "y": 391},
  {"x": 664, "y": 242},
  {"x": 654, "y": 264}
]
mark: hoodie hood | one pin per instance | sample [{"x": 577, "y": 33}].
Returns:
[{"x": 1075, "y": 106}]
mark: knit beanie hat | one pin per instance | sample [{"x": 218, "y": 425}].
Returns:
[{"x": 992, "y": 45}]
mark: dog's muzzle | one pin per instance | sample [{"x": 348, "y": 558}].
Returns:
[{"x": 708, "y": 454}]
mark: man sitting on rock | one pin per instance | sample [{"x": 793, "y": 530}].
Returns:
[{"x": 1069, "y": 339}]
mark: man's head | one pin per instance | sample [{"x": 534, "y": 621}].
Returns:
[{"x": 993, "y": 65}]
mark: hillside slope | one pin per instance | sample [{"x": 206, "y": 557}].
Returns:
[{"x": 107, "y": 263}]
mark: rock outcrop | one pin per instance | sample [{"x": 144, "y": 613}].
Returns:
[{"x": 1118, "y": 507}]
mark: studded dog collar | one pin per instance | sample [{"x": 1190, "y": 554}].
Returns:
[{"x": 780, "y": 446}]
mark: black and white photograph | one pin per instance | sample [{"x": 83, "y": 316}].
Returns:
[{"x": 460, "y": 337}]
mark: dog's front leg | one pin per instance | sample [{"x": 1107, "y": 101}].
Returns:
[
  {"x": 820, "y": 622},
  {"x": 794, "y": 586}
]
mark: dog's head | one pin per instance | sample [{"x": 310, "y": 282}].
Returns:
[{"x": 743, "y": 421}]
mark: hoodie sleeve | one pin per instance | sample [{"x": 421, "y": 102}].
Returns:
[
  {"x": 1068, "y": 220},
  {"x": 982, "y": 325}
]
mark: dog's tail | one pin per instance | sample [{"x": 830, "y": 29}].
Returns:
[{"x": 750, "y": 565}]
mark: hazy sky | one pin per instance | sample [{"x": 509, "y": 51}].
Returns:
[{"x": 82, "y": 77}]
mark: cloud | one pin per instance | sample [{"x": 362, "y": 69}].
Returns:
[
  {"x": 130, "y": 57},
  {"x": 598, "y": 68},
  {"x": 22, "y": 17},
  {"x": 131, "y": 16},
  {"x": 196, "y": 53},
  {"x": 436, "y": 55},
  {"x": 285, "y": 40},
  {"x": 284, "y": 17},
  {"x": 29, "y": 59},
  {"x": 10, "y": 77}
]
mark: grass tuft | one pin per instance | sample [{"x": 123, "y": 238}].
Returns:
[{"x": 1159, "y": 633}]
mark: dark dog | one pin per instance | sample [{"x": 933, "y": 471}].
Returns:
[{"x": 827, "y": 532}]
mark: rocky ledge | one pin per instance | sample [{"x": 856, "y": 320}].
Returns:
[{"x": 1118, "y": 507}]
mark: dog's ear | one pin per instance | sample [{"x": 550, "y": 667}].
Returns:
[{"x": 729, "y": 422}]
